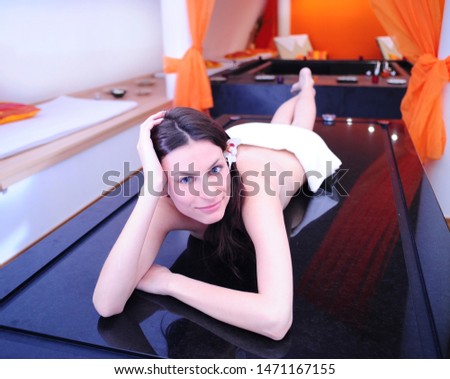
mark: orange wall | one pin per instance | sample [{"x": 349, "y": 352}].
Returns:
[{"x": 345, "y": 28}]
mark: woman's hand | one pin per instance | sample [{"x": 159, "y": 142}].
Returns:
[
  {"x": 154, "y": 177},
  {"x": 155, "y": 281}
]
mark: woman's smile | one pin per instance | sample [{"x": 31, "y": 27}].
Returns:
[{"x": 211, "y": 207}]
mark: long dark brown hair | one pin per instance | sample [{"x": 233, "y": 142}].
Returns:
[{"x": 179, "y": 127}]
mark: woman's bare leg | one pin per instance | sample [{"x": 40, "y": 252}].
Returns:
[{"x": 300, "y": 110}]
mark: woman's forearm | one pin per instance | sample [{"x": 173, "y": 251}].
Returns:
[{"x": 267, "y": 314}]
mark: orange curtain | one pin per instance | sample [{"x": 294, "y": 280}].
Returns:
[
  {"x": 192, "y": 88},
  {"x": 415, "y": 26}
]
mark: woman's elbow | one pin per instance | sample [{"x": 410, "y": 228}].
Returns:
[
  {"x": 277, "y": 324},
  {"x": 104, "y": 309}
]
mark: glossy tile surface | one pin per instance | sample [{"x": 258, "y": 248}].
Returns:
[{"x": 370, "y": 258}]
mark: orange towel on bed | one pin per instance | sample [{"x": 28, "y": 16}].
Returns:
[{"x": 10, "y": 112}]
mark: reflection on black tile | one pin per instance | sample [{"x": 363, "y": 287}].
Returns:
[
  {"x": 199, "y": 261},
  {"x": 164, "y": 327},
  {"x": 429, "y": 230}
]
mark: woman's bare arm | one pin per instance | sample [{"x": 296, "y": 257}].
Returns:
[
  {"x": 129, "y": 259},
  {"x": 135, "y": 249}
]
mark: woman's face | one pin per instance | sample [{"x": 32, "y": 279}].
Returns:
[{"x": 198, "y": 180}]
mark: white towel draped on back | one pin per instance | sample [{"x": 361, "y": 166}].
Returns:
[{"x": 317, "y": 159}]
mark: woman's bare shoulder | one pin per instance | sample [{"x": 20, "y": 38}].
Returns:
[
  {"x": 270, "y": 172},
  {"x": 252, "y": 157}
]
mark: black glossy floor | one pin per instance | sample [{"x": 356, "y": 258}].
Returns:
[{"x": 371, "y": 260}]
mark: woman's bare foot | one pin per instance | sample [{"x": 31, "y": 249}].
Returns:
[{"x": 304, "y": 79}]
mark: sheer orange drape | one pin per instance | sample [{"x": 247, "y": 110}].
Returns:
[
  {"x": 415, "y": 26},
  {"x": 192, "y": 88}
]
